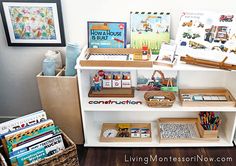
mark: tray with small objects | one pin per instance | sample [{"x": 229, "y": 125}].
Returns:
[
  {"x": 180, "y": 130},
  {"x": 113, "y": 57},
  {"x": 126, "y": 132},
  {"x": 206, "y": 98}
]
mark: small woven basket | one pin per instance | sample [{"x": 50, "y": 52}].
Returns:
[{"x": 167, "y": 102}]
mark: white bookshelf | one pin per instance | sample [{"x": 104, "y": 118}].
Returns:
[{"x": 94, "y": 115}]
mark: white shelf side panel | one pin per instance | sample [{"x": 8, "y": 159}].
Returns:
[
  {"x": 230, "y": 83},
  {"x": 96, "y": 120}
]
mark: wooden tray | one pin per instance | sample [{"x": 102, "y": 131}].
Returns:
[
  {"x": 84, "y": 61},
  {"x": 106, "y": 126},
  {"x": 229, "y": 103},
  {"x": 113, "y": 92},
  {"x": 182, "y": 121}
]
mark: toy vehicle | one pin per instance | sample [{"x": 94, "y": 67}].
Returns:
[
  {"x": 220, "y": 48},
  {"x": 190, "y": 36},
  {"x": 188, "y": 24},
  {"x": 150, "y": 85},
  {"x": 196, "y": 45},
  {"x": 200, "y": 25},
  {"x": 217, "y": 34},
  {"x": 226, "y": 18},
  {"x": 233, "y": 51}
]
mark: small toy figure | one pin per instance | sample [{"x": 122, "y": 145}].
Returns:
[
  {"x": 96, "y": 81},
  {"x": 145, "y": 53}
]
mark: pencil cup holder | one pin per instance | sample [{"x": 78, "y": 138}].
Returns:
[{"x": 206, "y": 133}]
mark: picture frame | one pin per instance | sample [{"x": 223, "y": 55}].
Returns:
[{"x": 35, "y": 23}]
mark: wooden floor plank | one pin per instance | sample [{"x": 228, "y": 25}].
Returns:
[{"x": 161, "y": 156}]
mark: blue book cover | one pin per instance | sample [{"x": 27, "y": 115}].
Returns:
[
  {"x": 106, "y": 34},
  {"x": 28, "y": 157}
]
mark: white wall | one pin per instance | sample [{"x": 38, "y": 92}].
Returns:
[{"x": 19, "y": 66}]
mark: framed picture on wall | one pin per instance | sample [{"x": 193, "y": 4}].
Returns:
[{"x": 33, "y": 22}]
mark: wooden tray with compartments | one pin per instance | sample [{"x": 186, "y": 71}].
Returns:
[
  {"x": 193, "y": 122},
  {"x": 109, "y": 127},
  {"x": 113, "y": 92},
  {"x": 206, "y": 98},
  {"x": 112, "y": 57}
]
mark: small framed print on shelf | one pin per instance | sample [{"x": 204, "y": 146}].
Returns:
[{"x": 33, "y": 22}]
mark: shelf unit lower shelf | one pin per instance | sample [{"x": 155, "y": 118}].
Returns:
[{"x": 93, "y": 140}]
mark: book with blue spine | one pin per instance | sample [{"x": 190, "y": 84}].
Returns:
[{"x": 28, "y": 157}]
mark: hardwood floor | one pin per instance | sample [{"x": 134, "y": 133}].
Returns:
[{"x": 156, "y": 156}]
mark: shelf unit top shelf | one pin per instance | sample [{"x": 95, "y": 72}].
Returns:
[
  {"x": 177, "y": 107},
  {"x": 93, "y": 140}
]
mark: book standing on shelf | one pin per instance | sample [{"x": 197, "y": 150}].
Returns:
[{"x": 106, "y": 34}]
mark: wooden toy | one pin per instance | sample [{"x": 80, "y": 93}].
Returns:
[
  {"x": 97, "y": 83},
  {"x": 207, "y": 63}
]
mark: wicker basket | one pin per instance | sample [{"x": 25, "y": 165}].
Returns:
[
  {"x": 67, "y": 157},
  {"x": 2, "y": 160},
  {"x": 167, "y": 102}
]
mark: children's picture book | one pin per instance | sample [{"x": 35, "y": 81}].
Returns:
[
  {"x": 28, "y": 157},
  {"x": 22, "y": 122},
  {"x": 207, "y": 35},
  {"x": 149, "y": 29},
  {"x": 106, "y": 34},
  {"x": 52, "y": 145},
  {"x": 12, "y": 139},
  {"x": 23, "y": 146}
]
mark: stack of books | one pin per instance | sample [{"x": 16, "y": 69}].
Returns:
[{"x": 30, "y": 138}]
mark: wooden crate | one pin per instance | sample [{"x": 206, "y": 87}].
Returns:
[
  {"x": 106, "y": 126},
  {"x": 194, "y": 121},
  {"x": 60, "y": 99},
  {"x": 84, "y": 60},
  {"x": 229, "y": 103},
  {"x": 206, "y": 133}
]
